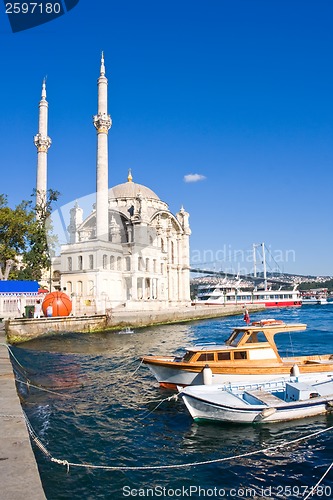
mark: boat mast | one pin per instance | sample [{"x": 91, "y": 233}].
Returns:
[
  {"x": 254, "y": 260},
  {"x": 264, "y": 265}
]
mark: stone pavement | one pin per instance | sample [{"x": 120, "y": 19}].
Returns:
[{"x": 18, "y": 469}]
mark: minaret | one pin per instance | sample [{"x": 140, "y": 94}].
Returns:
[
  {"x": 102, "y": 122},
  {"x": 42, "y": 143}
]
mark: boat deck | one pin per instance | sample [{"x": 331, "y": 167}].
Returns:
[{"x": 266, "y": 398}]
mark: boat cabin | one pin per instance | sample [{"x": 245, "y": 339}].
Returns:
[{"x": 253, "y": 343}]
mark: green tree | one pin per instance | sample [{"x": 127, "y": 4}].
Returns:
[
  {"x": 15, "y": 227},
  {"x": 41, "y": 241},
  {"x": 25, "y": 236}
]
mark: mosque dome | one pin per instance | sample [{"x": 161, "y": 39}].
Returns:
[{"x": 131, "y": 189}]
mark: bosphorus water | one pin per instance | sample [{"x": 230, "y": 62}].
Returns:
[{"x": 93, "y": 404}]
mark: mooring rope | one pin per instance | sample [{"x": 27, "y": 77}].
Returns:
[
  {"x": 14, "y": 357},
  {"x": 314, "y": 488},
  {"x": 29, "y": 384},
  {"x": 174, "y": 397},
  {"x": 137, "y": 368},
  {"x": 68, "y": 464}
]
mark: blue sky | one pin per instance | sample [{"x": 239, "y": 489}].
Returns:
[{"x": 236, "y": 93}]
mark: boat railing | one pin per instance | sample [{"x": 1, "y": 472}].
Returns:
[
  {"x": 270, "y": 385},
  {"x": 203, "y": 344}
]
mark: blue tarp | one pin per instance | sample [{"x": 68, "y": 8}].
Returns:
[{"x": 15, "y": 286}]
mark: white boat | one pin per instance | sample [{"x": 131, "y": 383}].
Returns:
[
  {"x": 272, "y": 401},
  {"x": 315, "y": 296},
  {"x": 221, "y": 294},
  {"x": 227, "y": 294},
  {"x": 126, "y": 331},
  {"x": 310, "y": 301}
]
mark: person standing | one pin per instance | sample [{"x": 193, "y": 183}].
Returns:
[
  {"x": 247, "y": 317},
  {"x": 38, "y": 309}
]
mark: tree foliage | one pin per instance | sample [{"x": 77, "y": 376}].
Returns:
[
  {"x": 308, "y": 285},
  {"x": 25, "y": 237}
]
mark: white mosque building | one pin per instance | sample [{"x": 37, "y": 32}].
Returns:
[{"x": 130, "y": 251}]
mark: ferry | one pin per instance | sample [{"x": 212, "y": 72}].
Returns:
[
  {"x": 221, "y": 294},
  {"x": 231, "y": 294}
]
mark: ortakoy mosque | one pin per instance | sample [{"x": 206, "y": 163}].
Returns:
[{"x": 130, "y": 251}]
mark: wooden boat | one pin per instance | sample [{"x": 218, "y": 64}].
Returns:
[
  {"x": 272, "y": 401},
  {"x": 249, "y": 353}
]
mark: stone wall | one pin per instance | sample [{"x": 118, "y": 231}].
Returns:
[{"x": 22, "y": 330}]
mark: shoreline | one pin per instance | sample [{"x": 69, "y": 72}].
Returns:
[{"x": 19, "y": 330}]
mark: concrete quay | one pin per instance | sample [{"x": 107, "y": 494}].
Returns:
[
  {"x": 18, "y": 469},
  {"x": 23, "y": 329}
]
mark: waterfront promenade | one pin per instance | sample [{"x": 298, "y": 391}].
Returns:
[
  {"x": 24, "y": 329},
  {"x": 18, "y": 469}
]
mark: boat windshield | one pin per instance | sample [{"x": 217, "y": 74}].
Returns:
[
  {"x": 188, "y": 356},
  {"x": 235, "y": 337},
  {"x": 256, "y": 337}
]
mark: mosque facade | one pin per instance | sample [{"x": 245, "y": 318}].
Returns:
[{"x": 130, "y": 251}]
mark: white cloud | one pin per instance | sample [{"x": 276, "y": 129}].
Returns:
[{"x": 194, "y": 177}]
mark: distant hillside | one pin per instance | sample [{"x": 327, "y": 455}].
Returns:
[{"x": 315, "y": 284}]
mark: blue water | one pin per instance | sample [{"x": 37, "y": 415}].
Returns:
[{"x": 102, "y": 413}]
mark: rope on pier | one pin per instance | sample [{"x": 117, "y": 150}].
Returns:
[
  {"x": 68, "y": 464},
  {"x": 3, "y": 415},
  {"x": 14, "y": 357}
]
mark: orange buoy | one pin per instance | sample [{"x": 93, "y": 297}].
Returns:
[{"x": 57, "y": 304}]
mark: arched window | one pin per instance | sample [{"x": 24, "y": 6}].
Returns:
[
  {"x": 69, "y": 263},
  {"x": 105, "y": 263},
  {"x": 139, "y": 263},
  {"x": 79, "y": 287},
  {"x": 112, "y": 262},
  {"x": 91, "y": 288},
  {"x": 118, "y": 263},
  {"x": 91, "y": 262},
  {"x": 79, "y": 262},
  {"x": 172, "y": 252}
]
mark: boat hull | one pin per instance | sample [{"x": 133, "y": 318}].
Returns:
[
  {"x": 202, "y": 411},
  {"x": 266, "y": 303},
  {"x": 314, "y": 302},
  {"x": 170, "y": 376}
]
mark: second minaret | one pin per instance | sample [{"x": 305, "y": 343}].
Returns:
[
  {"x": 42, "y": 142},
  {"x": 102, "y": 122}
]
